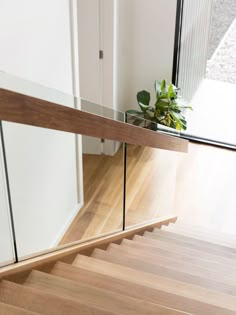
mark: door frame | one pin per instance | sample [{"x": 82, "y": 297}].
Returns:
[
  {"x": 175, "y": 77},
  {"x": 177, "y": 43}
]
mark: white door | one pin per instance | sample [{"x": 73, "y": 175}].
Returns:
[
  {"x": 89, "y": 47},
  {"x": 96, "y": 60}
]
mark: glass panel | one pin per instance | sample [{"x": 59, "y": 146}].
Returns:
[
  {"x": 151, "y": 176},
  {"x": 103, "y": 181},
  {"x": 204, "y": 194},
  {"x": 62, "y": 185},
  {"x": 6, "y": 239},
  {"x": 103, "y": 111},
  {"x": 190, "y": 186},
  {"x": 138, "y": 121},
  {"x": 19, "y": 85},
  {"x": 26, "y": 87},
  {"x": 62, "y": 192}
]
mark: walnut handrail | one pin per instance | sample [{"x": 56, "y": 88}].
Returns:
[{"x": 23, "y": 109}]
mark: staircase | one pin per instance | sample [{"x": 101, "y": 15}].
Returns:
[{"x": 175, "y": 269}]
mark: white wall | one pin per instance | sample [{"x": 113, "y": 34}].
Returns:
[
  {"x": 137, "y": 37},
  {"x": 35, "y": 41},
  {"x": 35, "y": 44},
  {"x": 6, "y": 245},
  {"x": 145, "y": 46}
]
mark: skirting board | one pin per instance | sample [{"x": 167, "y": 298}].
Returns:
[
  {"x": 6, "y": 263},
  {"x": 66, "y": 226}
]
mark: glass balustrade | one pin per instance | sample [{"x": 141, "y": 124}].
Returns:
[
  {"x": 63, "y": 190},
  {"x": 151, "y": 183},
  {"x": 66, "y": 188},
  {"x": 150, "y": 177}
]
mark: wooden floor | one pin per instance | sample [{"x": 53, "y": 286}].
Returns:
[
  {"x": 103, "y": 198},
  {"x": 147, "y": 197},
  {"x": 198, "y": 187}
]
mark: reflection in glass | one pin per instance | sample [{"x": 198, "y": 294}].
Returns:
[
  {"x": 102, "y": 210},
  {"x": 61, "y": 192},
  {"x": 103, "y": 169},
  {"x": 151, "y": 175},
  {"x": 43, "y": 174}
]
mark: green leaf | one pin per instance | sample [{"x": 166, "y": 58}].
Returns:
[
  {"x": 178, "y": 118},
  {"x": 157, "y": 87},
  {"x": 176, "y": 110},
  {"x": 161, "y": 104},
  {"x": 144, "y": 98},
  {"x": 163, "y": 86},
  {"x": 171, "y": 92},
  {"x": 143, "y": 107},
  {"x": 164, "y": 96},
  {"x": 167, "y": 109}
]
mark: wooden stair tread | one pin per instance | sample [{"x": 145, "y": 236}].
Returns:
[
  {"x": 167, "y": 271},
  {"x": 108, "y": 283},
  {"x": 205, "y": 230},
  {"x": 44, "y": 303},
  {"x": 181, "y": 248},
  {"x": 226, "y": 256},
  {"x": 161, "y": 249},
  {"x": 91, "y": 295},
  {"x": 161, "y": 283},
  {"x": 148, "y": 293},
  {"x": 216, "y": 238},
  {"x": 217, "y": 247},
  {"x": 127, "y": 260},
  {"x": 212, "y": 238},
  {"x": 175, "y": 263},
  {"x": 6, "y": 309}
]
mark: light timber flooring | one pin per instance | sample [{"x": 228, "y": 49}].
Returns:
[
  {"x": 198, "y": 187},
  {"x": 147, "y": 197}
]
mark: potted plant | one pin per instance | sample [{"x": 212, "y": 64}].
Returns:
[{"x": 167, "y": 110}]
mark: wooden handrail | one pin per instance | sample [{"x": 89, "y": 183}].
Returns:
[{"x": 23, "y": 109}]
